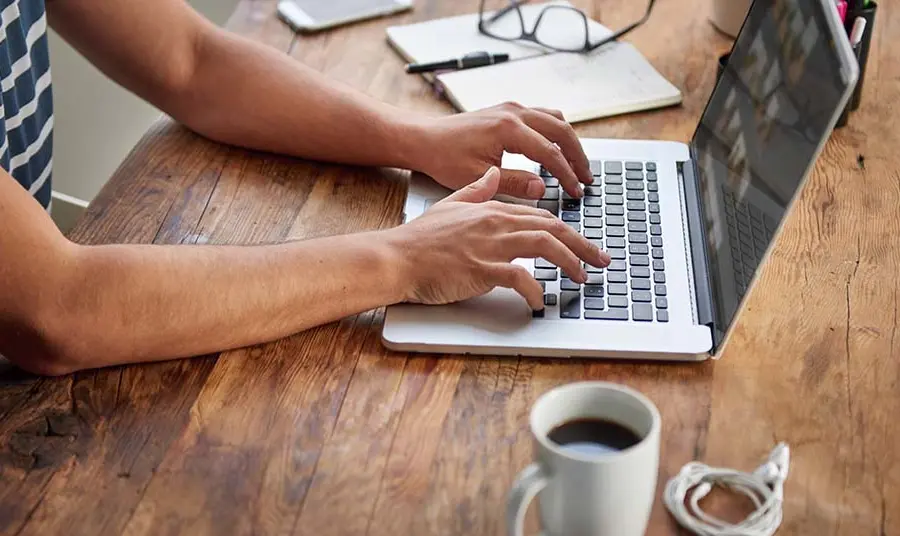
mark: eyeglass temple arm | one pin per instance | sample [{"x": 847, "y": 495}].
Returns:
[{"x": 624, "y": 30}]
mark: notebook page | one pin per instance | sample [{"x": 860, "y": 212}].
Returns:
[{"x": 612, "y": 80}]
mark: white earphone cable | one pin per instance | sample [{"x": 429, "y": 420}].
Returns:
[{"x": 764, "y": 486}]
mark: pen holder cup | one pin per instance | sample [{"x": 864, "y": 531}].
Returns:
[{"x": 862, "y": 54}]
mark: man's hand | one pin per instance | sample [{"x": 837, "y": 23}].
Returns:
[
  {"x": 464, "y": 247},
  {"x": 455, "y": 150}
]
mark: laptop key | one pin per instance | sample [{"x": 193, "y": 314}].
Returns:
[
  {"x": 593, "y": 191},
  {"x": 594, "y": 279},
  {"x": 631, "y": 166},
  {"x": 640, "y": 271},
  {"x": 615, "y": 221},
  {"x": 659, "y": 277},
  {"x": 652, "y": 187},
  {"x": 592, "y": 269},
  {"x": 641, "y": 296},
  {"x": 593, "y": 201},
  {"x": 617, "y": 301},
  {"x": 550, "y": 206},
  {"x": 617, "y": 289},
  {"x": 593, "y": 222},
  {"x": 551, "y": 193},
  {"x": 551, "y": 182},
  {"x": 574, "y": 225},
  {"x": 662, "y": 316},
  {"x": 612, "y": 179},
  {"x": 615, "y": 242},
  {"x": 593, "y": 291},
  {"x": 659, "y": 264},
  {"x": 657, "y": 253},
  {"x": 571, "y": 204},
  {"x": 637, "y": 216},
  {"x": 569, "y": 304},
  {"x": 617, "y": 277},
  {"x": 635, "y": 195},
  {"x": 593, "y": 212},
  {"x": 651, "y": 177},
  {"x": 640, "y": 260},
  {"x": 651, "y": 166},
  {"x": 616, "y": 232},
  {"x": 544, "y": 264},
  {"x": 617, "y": 254},
  {"x": 634, "y": 185},
  {"x": 594, "y": 303},
  {"x": 568, "y": 284},
  {"x": 637, "y": 238},
  {"x": 660, "y": 290},
  {"x": 617, "y": 266},
  {"x": 634, "y": 176},
  {"x": 593, "y": 233},
  {"x": 654, "y": 208},
  {"x": 656, "y": 241},
  {"x": 653, "y": 197},
  {"x": 545, "y": 275},
  {"x": 635, "y": 205},
  {"x": 614, "y": 189},
  {"x": 662, "y": 303},
  {"x": 642, "y": 312},
  {"x": 614, "y": 200},
  {"x": 655, "y": 230},
  {"x": 549, "y": 299},
  {"x": 640, "y": 284},
  {"x": 638, "y": 249},
  {"x": 654, "y": 219},
  {"x": 612, "y": 314},
  {"x": 596, "y": 167},
  {"x": 537, "y": 314},
  {"x": 615, "y": 210},
  {"x": 571, "y": 216},
  {"x": 543, "y": 285},
  {"x": 612, "y": 168},
  {"x": 637, "y": 227}
]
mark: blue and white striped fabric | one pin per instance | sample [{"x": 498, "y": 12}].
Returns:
[{"x": 26, "y": 112}]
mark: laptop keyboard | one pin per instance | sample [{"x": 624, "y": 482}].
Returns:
[
  {"x": 620, "y": 213},
  {"x": 750, "y": 232}
]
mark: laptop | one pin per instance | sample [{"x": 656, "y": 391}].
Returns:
[{"x": 688, "y": 226}]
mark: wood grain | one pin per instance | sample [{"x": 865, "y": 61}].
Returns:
[{"x": 329, "y": 433}]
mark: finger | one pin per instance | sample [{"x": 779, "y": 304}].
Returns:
[
  {"x": 525, "y": 140},
  {"x": 578, "y": 244},
  {"x": 521, "y": 184},
  {"x": 484, "y": 189},
  {"x": 534, "y": 244},
  {"x": 561, "y": 133},
  {"x": 517, "y": 278},
  {"x": 555, "y": 113}
]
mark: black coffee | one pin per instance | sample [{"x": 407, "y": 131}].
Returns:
[{"x": 594, "y": 436}]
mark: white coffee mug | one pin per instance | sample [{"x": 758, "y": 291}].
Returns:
[{"x": 597, "y": 494}]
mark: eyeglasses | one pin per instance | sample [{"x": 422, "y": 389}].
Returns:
[{"x": 557, "y": 27}]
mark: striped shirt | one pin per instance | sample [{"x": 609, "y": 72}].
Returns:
[{"x": 26, "y": 110}]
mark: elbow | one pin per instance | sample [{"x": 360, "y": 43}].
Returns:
[{"x": 45, "y": 345}]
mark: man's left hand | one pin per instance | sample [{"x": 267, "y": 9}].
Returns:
[{"x": 456, "y": 150}]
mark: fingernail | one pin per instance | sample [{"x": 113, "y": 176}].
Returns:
[
  {"x": 584, "y": 275},
  {"x": 590, "y": 180},
  {"x": 604, "y": 257},
  {"x": 535, "y": 189}
]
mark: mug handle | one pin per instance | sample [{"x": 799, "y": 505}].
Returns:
[{"x": 528, "y": 484}]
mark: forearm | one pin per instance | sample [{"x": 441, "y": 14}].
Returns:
[
  {"x": 131, "y": 303},
  {"x": 247, "y": 94}
]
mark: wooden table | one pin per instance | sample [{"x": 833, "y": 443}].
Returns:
[{"x": 327, "y": 432}]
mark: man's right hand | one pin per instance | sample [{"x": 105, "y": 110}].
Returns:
[{"x": 464, "y": 247}]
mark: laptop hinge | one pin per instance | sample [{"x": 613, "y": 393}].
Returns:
[{"x": 702, "y": 283}]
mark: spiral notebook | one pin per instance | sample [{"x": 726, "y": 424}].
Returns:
[{"x": 612, "y": 80}]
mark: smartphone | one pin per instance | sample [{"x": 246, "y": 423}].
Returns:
[{"x": 316, "y": 15}]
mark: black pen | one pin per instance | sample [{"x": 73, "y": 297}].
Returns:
[{"x": 475, "y": 59}]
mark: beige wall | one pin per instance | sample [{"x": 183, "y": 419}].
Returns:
[{"x": 96, "y": 121}]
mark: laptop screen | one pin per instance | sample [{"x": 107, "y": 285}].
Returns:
[{"x": 759, "y": 134}]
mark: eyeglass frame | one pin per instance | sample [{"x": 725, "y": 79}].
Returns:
[{"x": 531, "y": 36}]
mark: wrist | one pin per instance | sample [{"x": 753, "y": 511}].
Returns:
[
  {"x": 391, "y": 256},
  {"x": 411, "y": 141}
]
